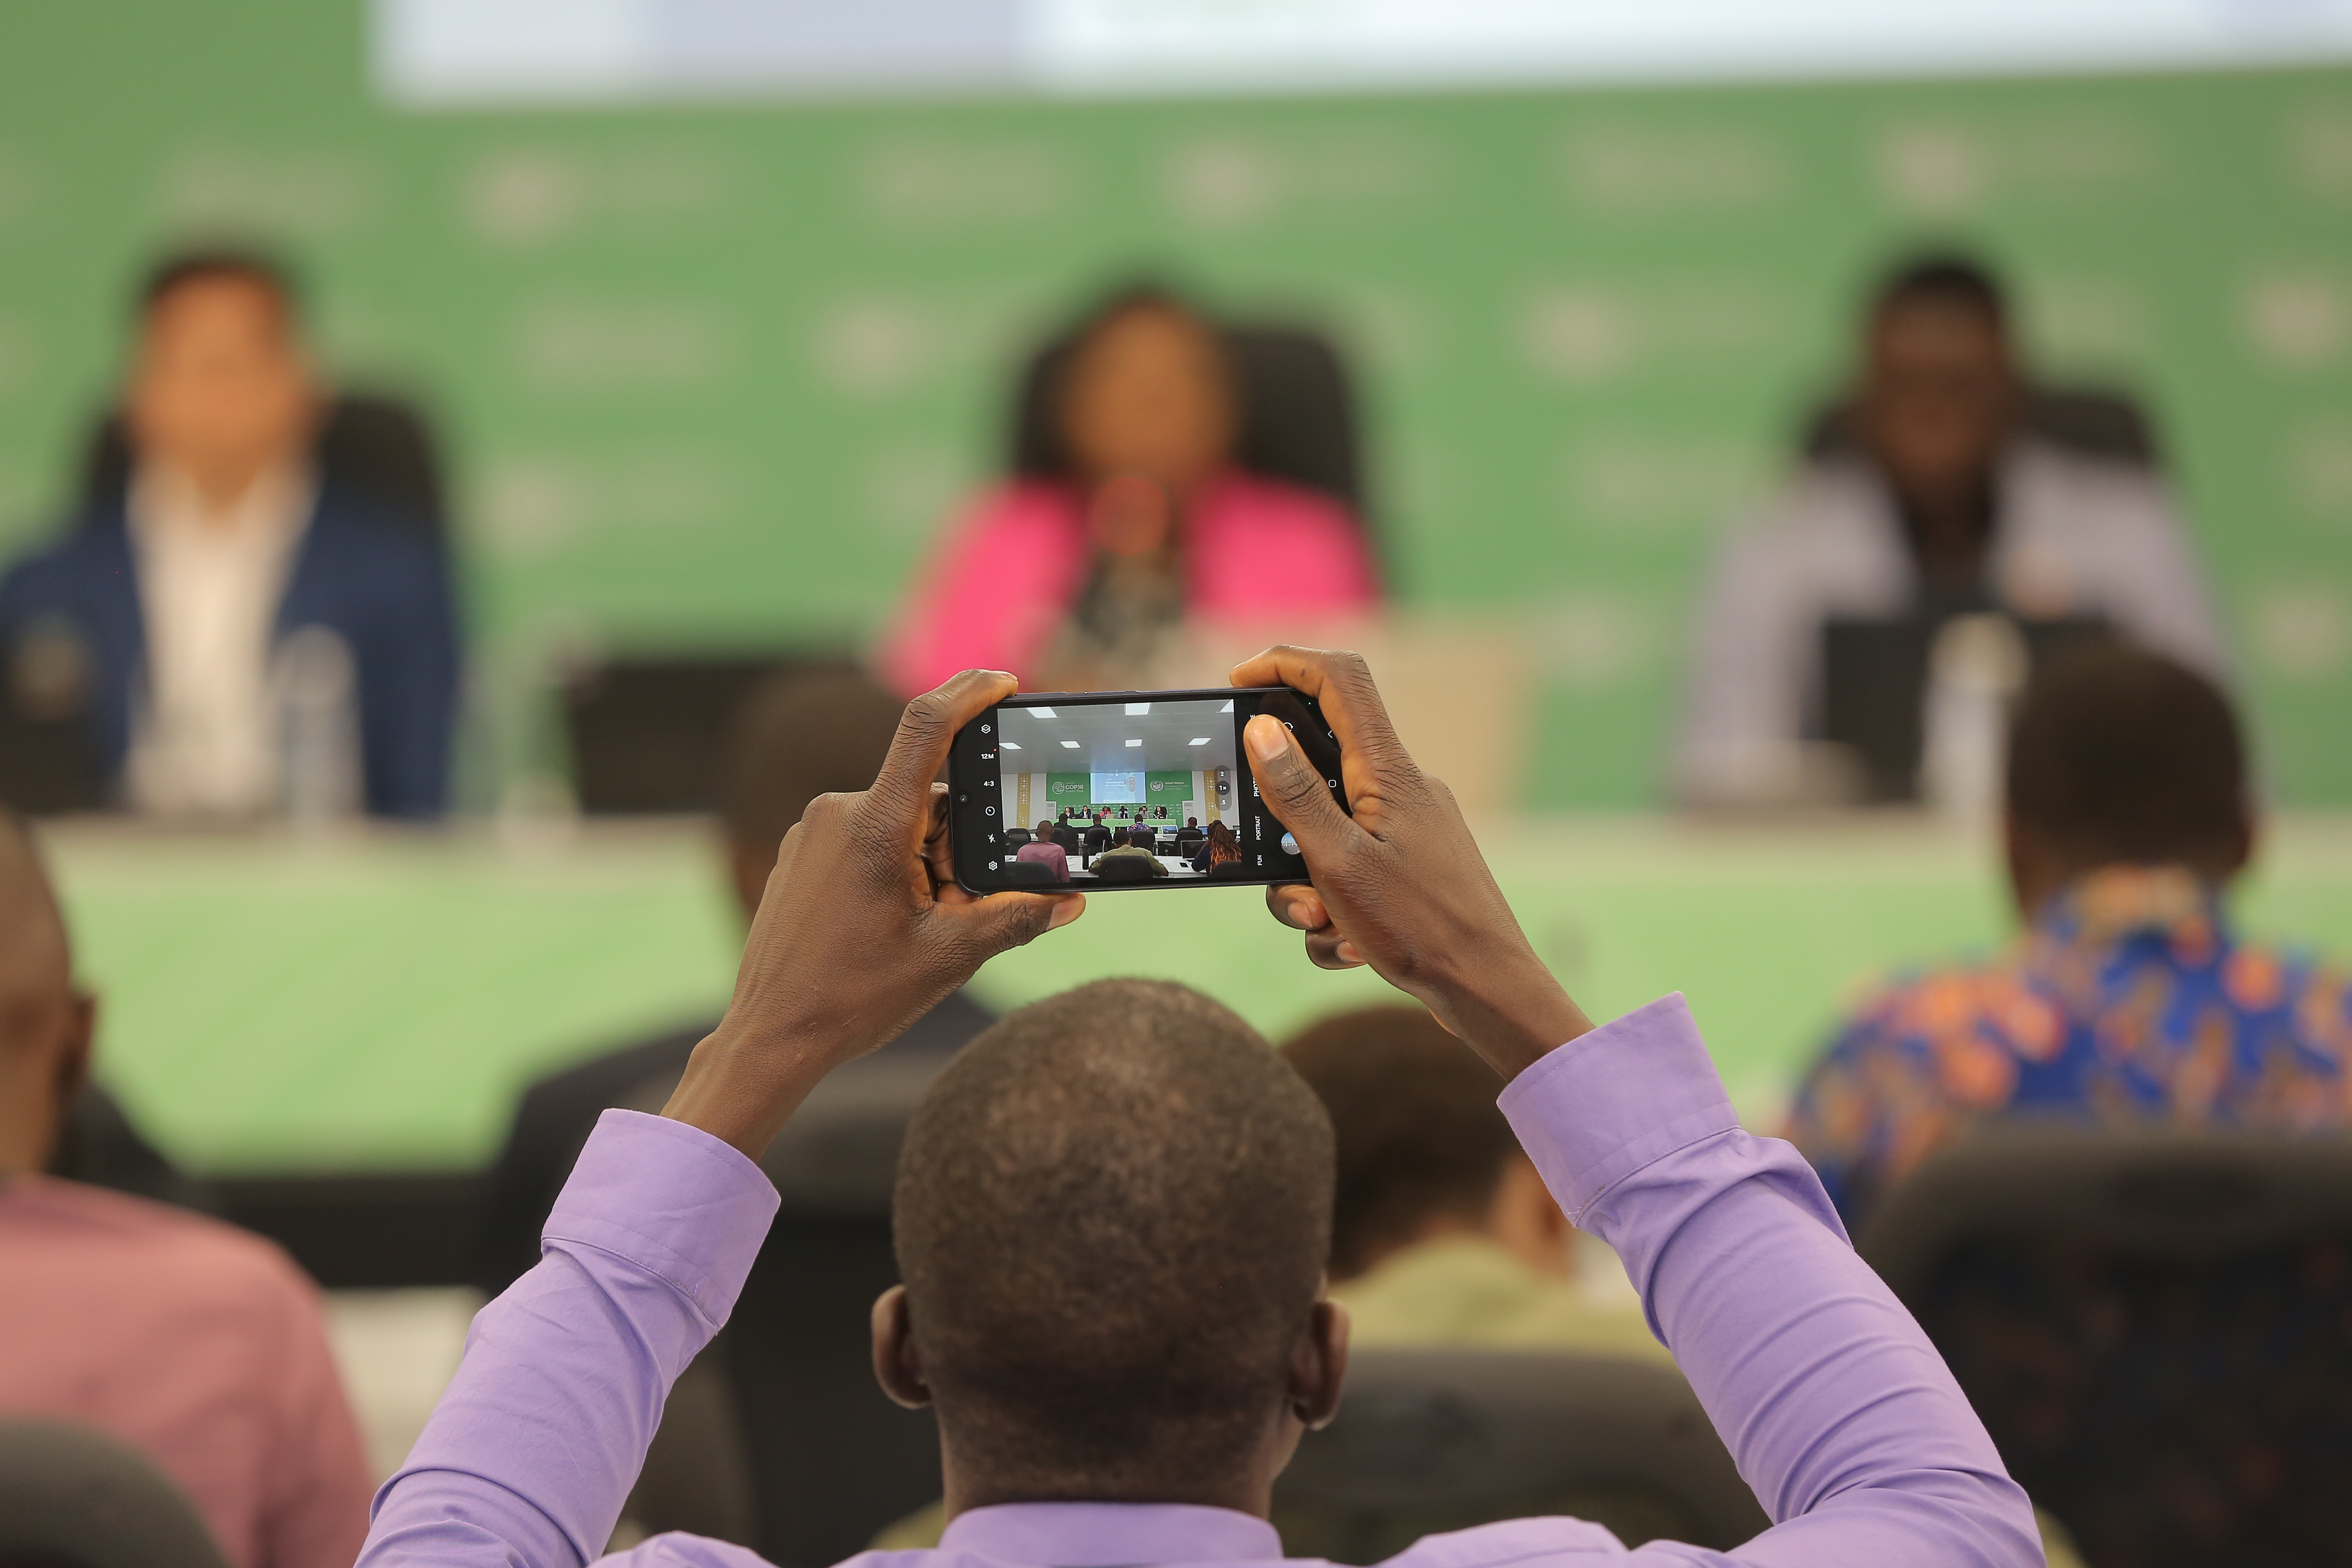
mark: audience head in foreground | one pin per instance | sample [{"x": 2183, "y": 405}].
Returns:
[
  {"x": 1422, "y": 1150},
  {"x": 194, "y": 1342},
  {"x": 2122, "y": 758},
  {"x": 1113, "y": 1211},
  {"x": 2129, "y": 998},
  {"x": 1442, "y": 1231}
]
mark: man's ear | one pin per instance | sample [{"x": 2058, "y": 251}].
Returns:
[
  {"x": 1318, "y": 1365},
  {"x": 68, "y": 1070},
  {"x": 2241, "y": 848},
  {"x": 80, "y": 1038},
  {"x": 896, "y": 1366},
  {"x": 1525, "y": 1217}
]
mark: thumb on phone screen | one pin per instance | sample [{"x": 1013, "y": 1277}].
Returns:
[{"x": 1297, "y": 792}]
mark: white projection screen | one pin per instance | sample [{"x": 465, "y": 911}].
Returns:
[
  {"x": 1116, "y": 789},
  {"x": 489, "y": 51}
]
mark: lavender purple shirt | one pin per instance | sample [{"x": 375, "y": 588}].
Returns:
[{"x": 1841, "y": 1417}]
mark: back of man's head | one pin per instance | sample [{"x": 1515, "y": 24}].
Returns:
[
  {"x": 1419, "y": 1137},
  {"x": 801, "y": 734},
  {"x": 1112, "y": 1215},
  {"x": 2121, "y": 756}
]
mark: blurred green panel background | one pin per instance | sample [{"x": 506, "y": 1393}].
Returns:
[{"x": 713, "y": 377}]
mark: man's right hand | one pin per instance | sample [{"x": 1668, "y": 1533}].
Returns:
[
  {"x": 1401, "y": 885},
  {"x": 861, "y": 931}
]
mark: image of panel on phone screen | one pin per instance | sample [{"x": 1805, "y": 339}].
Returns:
[{"x": 1125, "y": 789}]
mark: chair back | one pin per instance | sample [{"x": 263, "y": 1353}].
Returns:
[
  {"x": 73, "y": 1498},
  {"x": 1124, "y": 869},
  {"x": 1447, "y": 1440},
  {"x": 2151, "y": 1324},
  {"x": 649, "y": 733},
  {"x": 1031, "y": 871}
]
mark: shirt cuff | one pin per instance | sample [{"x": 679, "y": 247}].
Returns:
[
  {"x": 671, "y": 1199},
  {"x": 1603, "y": 1105}
]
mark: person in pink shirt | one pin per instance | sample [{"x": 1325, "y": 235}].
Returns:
[
  {"x": 1045, "y": 852},
  {"x": 195, "y": 1342},
  {"x": 1080, "y": 579}
]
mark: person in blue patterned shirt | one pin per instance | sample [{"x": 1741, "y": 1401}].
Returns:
[{"x": 2127, "y": 997}]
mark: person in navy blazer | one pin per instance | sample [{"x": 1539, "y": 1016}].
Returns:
[{"x": 221, "y": 408}]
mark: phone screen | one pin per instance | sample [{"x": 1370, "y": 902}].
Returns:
[{"x": 1125, "y": 789}]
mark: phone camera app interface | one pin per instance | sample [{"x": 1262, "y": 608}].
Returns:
[{"x": 1122, "y": 791}]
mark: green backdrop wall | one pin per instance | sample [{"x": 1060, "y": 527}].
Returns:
[{"x": 711, "y": 375}]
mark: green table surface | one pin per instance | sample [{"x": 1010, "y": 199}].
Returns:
[{"x": 374, "y": 1001}]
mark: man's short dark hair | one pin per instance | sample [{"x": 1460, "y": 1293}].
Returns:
[
  {"x": 181, "y": 269},
  {"x": 1942, "y": 278},
  {"x": 2119, "y": 756},
  {"x": 1419, "y": 1134},
  {"x": 801, "y": 734},
  {"x": 1112, "y": 1215}
]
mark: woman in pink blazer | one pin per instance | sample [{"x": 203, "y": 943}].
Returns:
[{"x": 1076, "y": 582}]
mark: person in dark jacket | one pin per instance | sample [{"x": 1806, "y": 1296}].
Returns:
[{"x": 236, "y": 629}]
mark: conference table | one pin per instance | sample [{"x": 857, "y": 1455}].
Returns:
[{"x": 371, "y": 1000}]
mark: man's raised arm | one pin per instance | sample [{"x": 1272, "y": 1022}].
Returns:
[
  {"x": 1840, "y": 1416},
  {"x": 531, "y": 1452}
]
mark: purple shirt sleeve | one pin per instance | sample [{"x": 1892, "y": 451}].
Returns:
[
  {"x": 532, "y": 1451},
  {"x": 1839, "y": 1413}
]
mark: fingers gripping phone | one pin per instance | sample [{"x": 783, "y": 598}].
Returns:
[{"x": 1125, "y": 789}]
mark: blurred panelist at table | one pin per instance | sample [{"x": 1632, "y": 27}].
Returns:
[
  {"x": 240, "y": 629},
  {"x": 1946, "y": 485},
  {"x": 1169, "y": 476}
]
